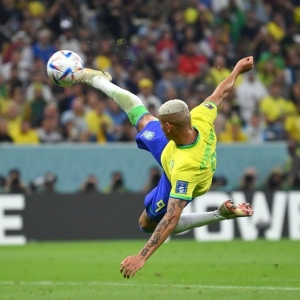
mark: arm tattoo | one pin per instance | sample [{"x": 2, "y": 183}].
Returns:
[
  {"x": 173, "y": 205},
  {"x": 144, "y": 251}
]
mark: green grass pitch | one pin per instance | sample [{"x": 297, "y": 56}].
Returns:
[{"x": 181, "y": 269}]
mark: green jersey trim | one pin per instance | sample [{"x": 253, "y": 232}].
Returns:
[
  {"x": 181, "y": 197},
  {"x": 192, "y": 144}
]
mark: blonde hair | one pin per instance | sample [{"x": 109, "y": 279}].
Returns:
[{"x": 172, "y": 107}]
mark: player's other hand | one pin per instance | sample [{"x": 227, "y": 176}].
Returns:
[
  {"x": 244, "y": 65},
  {"x": 131, "y": 264}
]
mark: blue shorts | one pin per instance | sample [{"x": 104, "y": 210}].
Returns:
[{"x": 153, "y": 139}]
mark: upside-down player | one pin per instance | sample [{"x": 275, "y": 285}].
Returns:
[{"x": 184, "y": 143}]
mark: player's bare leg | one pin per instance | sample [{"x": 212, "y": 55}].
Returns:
[
  {"x": 227, "y": 210},
  {"x": 130, "y": 103}
]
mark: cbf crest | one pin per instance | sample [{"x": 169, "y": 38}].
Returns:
[{"x": 148, "y": 135}]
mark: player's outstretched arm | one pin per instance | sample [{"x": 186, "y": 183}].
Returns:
[
  {"x": 163, "y": 230},
  {"x": 244, "y": 65}
]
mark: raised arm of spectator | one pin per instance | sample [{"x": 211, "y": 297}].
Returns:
[{"x": 244, "y": 65}]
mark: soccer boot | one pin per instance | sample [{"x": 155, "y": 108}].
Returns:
[
  {"x": 89, "y": 74},
  {"x": 227, "y": 210}
]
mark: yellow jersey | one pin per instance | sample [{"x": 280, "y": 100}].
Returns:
[
  {"x": 275, "y": 109},
  {"x": 190, "y": 168},
  {"x": 29, "y": 138},
  {"x": 94, "y": 123}
]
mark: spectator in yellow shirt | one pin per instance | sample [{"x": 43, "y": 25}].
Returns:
[
  {"x": 233, "y": 131},
  {"x": 99, "y": 123},
  {"x": 276, "y": 27},
  {"x": 25, "y": 135},
  {"x": 103, "y": 60},
  {"x": 275, "y": 109},
  {"x": 292, "y": 126},
  {"x": 219, "y": 72},
  {"x": 14, "y": 118}
]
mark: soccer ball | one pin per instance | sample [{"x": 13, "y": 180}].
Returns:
[{"x": 65, "y": 67}]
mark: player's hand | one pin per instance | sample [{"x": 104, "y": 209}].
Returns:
[
  {"x": 244, "y": 65},
  {"x": 131, "y": 264}
]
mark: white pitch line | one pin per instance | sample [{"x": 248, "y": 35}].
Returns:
[{"x": 194, "y": 286}]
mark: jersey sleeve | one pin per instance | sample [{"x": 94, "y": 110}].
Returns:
[
  {"x": 183, "y": 182},
  {"x": 205, "y": 112}
]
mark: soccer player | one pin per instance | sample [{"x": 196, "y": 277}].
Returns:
[{"x": 184, "y": 144}]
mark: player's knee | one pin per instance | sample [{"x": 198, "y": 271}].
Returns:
[{"x": 145, "y": 225}]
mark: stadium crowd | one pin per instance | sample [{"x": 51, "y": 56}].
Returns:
[{"x": 159, "y": 50}]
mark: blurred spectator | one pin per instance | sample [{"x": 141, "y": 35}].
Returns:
[
  {"x": 44, "y": 47},
  {"x": 276, "y": 26},
  {"x": 274, "y": 180},
  {"x": 14, "y": 183},
  {"x": 117, "y": 184},
  {"x": 255, "y": 129},
  {"x": 275, "y": 109},
  {"x": 37, "y": 82},
  {"x": 18, "y": 97},
  {"x": 152, "y": 29},
  {"x": 67, "y": 39},
  {"x": 259, "y": 9},
  {"x": 267, "y": 73},
  {"x": 2, "y": 183},
  {"x": 251, "y": 28},
  {"x": 166, "y": 83},
  {"x": 128, "y": 132},
  {"x": 14, "y": 118},
  {"x": 14, "y": 80},
  {"x": 292, "y": 124},
  {"x": 292, "y": 166},
  {"x": 141, "y": 55},
  {"x": 118, "y": 117},
  {"x": 16, "y": 61},
  {"x": 76, "y": 117},
  {"x": 103, "y": 60},
  {"x": 218, "y": 5},
  {"x": 218, "y": 72},
  {"x": 292, "y": 70},
  {"x": 45, "y": 184},
  {"x": 272, "y": 54},
  {"x": 112, "y": 18},
  {"x": 25, "y": 134},
  {"x": 3, "y": 90},
  {"x": 49, "y": 133},
  {"x": 248, "y": 180},
  {"x": 224, "y": 114},
  {"x": 34, "y": 109},
  {"x": 90, "y": 185},
  {"x": 58, "y": 12},
  {"x": 233, "y": 131},
  {"x": 154, "y": 176},
  {"x": 218, "y": 183},
  {"x": 99, "y": 123},
  {"x": 166, "y": 49},
  {"x": 120, "y": 76},
  {"x": 4, "y": 134},
  {"x": 20, "y": 41},
  {"x": 190, "y": 63},
  {"x": 145, "y": 93},
  {"x": 248, "y": 95}
]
